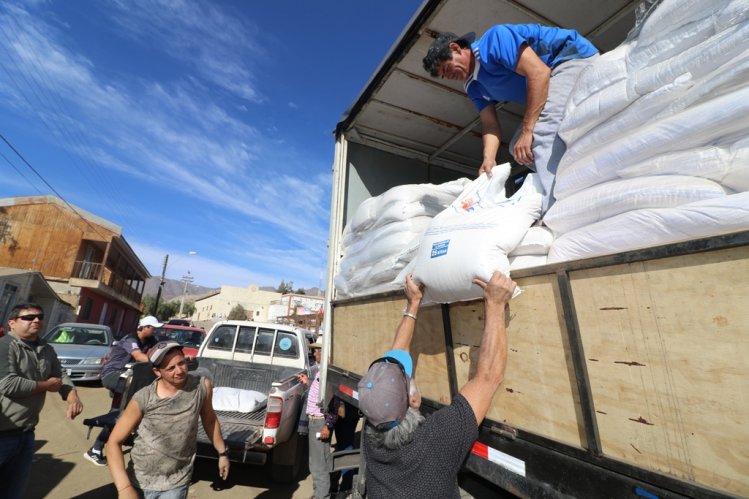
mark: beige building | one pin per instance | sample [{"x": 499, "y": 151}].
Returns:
[{"x": 218, "y": 305}]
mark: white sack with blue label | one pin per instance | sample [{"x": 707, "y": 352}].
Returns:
[{"x": 474, "y": 235}]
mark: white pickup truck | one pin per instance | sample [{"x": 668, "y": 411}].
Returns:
[{"x": 244, "y": 358}]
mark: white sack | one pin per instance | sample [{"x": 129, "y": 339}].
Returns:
[
  {"x": 596, "y": 109},
  {"x": 395, "y": 240},
  {"x": 237, "y": 400},
  {"x": 606, "y": 70},
  {"x": 403, "y": 202},
  {"x": 708, "y": 19},
  {"x": 526, "y": 261},
  {"x": 653, "y": 227},
  {"x": 698, "y": 60},
  {"x": 536, "y": 241},
  {"x": 474, "y": 235},
  {"x": 727, "y": 164},
  {"x": 694, "y": 127},
  {"x": 672, "y": 16},
  {"x": 618, "y": 196}
]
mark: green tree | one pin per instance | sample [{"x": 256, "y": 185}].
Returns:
[
  {"x": 189, "y": 308},
  {"x": 285, "y": 287},
  {"x": 300, "y": 291},
  {"x": 148, "y": 302},
  {"x": 238, "y": 313},
  {"x": 167, "y": 309}
]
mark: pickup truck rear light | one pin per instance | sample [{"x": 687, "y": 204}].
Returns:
[{"x": 273, "y": 412}]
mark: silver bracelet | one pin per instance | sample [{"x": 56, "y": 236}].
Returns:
[{"x": 408, "y": 314}]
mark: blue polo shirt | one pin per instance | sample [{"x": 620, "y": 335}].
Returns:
[{"x": 497, "y": 52}]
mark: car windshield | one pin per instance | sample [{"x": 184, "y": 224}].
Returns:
[
  {"x": 185, "y": 337},
  {"x": 78, "y": 335}
]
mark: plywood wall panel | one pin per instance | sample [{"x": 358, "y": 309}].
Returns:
[
  {"x": 365, "y": 330},
  {"x": 539, "y": 393},
  {"x": 667, "y": 347}
]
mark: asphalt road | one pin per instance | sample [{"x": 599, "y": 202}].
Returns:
[{"x": 60, "y": 471}]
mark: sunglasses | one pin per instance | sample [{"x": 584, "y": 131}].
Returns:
[{"x": 30, "y": 317}]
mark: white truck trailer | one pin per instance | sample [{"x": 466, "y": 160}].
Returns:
[{"x": 627, "y": 373}]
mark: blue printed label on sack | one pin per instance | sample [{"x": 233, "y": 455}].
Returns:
[{"x": 440, "y": 248}]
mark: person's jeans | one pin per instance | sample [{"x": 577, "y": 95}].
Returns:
[
  {"x": 178, "y": 493},
  {"x": 16, "y": 453},
  {"x": 319, "y": 460}
]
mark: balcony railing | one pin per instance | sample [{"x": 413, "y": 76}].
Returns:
[
  {"x": 98, "y": 272},
  {"x": 87, "y": 270}
]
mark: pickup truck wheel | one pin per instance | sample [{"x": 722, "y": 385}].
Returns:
[{"x": 288, "y": 459}]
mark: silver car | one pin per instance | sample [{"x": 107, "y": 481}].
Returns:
[{"x": 81, "y": 348}]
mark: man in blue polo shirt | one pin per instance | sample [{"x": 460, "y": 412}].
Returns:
[{"x": 524, "y": 63}]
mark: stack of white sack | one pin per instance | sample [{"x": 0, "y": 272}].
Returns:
[
  {"x": 656, "y": 130},
  {"x": 383, "y": 235},
  {"x": 474, "y": 236}
]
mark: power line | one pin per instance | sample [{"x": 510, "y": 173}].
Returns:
[
  {"x": 50, "y": 186},
  {"x": 56, "y": 111},
  {"x": 21, "y": 173}
]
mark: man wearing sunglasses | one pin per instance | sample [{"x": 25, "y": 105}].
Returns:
[
  {"x": 407, "y": 455},
  {"x": 29, "y": 368}
]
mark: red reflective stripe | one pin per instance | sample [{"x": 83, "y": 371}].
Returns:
[
  {"x": 346, "y": 390},
  {"x": 481, "y": 450}
]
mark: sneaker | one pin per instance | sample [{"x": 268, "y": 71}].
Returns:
[{"x": 95, "y": 457}]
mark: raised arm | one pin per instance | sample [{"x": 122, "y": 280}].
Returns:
[
  {"x": 126, "y": 424},
  {"x": 537, "y": 75},
  {"x": 212, "y": 428},
  {"x": 480, "y": 390},
  {"x": 405, "y": 332},
  {"x": 491, "y": 136}
]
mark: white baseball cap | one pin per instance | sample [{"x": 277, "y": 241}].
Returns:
[{"x": 150, "y": 320}]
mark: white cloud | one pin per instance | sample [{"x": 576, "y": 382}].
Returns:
[{"x": 178, "y": 135}]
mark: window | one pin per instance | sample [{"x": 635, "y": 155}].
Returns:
[
  {"x": 223, "y": 338},
  {"x": 245, "y": 339},
  {"x": 264, "y": 341},
  {"x": 286, "y": 345}
]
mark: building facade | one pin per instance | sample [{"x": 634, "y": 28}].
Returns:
[
  {"x": 218, "y": 305},
  {"x": 84, "y": 258}
]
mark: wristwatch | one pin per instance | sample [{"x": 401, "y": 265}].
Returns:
[{"x": 225, "y": 453}]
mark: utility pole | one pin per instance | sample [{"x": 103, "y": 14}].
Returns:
[
  {"x": 161, "y": 286},
  {"x": 187, "y": 278}
]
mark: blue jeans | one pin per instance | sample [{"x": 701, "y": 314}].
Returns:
[
  {"x": 178, "y": 493},
  {"x": 16, "y": 453}
]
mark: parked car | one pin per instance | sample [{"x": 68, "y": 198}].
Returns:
[
  {"x": 189, "y": 337},
  {"x": 81, "y": 348},
  {"x": 179, "y": 322}
]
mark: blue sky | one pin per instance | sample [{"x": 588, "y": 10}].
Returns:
[{"x": 195, "y": 126}]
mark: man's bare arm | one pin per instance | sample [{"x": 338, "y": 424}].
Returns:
[
  {"x": 491, "y": 136},
  {"x": 405, "y": 332},
  {"x": 480, "y": 390},
  {"x": 537, "y": 75}
]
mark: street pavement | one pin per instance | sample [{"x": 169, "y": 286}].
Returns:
[{"x": 60, "y": 471}]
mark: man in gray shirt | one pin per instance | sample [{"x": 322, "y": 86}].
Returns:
[
  {"x": 408, "y": 456},
  {"x": 29, "y": 368}
]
